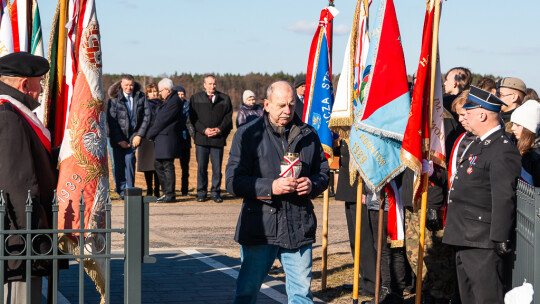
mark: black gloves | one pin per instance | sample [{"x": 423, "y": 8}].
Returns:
[
  {"x": 432, "y": 220},
  {"x": 503, "y": 248}
]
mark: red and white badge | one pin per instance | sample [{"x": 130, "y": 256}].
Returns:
[{"x": 469, "y": 171}]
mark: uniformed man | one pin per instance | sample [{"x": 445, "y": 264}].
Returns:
[
  {"x": 26, "y": 170},
  {"x": 482, "y": 202}
]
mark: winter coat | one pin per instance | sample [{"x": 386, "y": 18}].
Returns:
[
  {"x": 118, "y": 118},
  {"x": 205, "y": 114},
  {"x": 531, "y": 163},
  {"x": 145, "y": 151},
  {"x": 185, "y": 125},
  {"x": 27, "y": 171},
  {"x": 166, "y": 130},
  {"x": 248, "y": 113},
  {"x": 256, "y": 153}
]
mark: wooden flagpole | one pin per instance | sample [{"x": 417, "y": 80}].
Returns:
[
  {"x": 379, "y": 247},
  {"x": 434, "y": 53},
  {"x": 61, "y": 55},
  {"x": 357, "y": 235},
  {"x": 324, "y": 258}
]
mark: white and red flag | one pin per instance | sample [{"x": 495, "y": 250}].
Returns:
[
  {"x": 26, "y": 26},
  {"x": 83, "y": 153},
  {"x": 6, "y": 33}
]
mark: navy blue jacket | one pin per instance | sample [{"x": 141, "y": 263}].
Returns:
[
  {"x": 256, "y": 152},
  {"x": 118, "y": 118},
  {"x": 166, "y": 130}
]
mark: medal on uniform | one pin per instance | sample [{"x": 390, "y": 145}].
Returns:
[{"x": 472, "y": 160}]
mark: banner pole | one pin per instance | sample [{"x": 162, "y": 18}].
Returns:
[
  {"x": 357, "y": 235},
  {"x": 434, "y": 53},
  {"x": 379, "y": 247},
  {"x": 325, "y": 241}
]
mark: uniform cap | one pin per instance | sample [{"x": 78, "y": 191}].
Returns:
[{"x": 479, "y": 98}]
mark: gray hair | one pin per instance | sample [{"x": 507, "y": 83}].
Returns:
[
  {"x": 270, "y": 89},
  {"x": 165, "y": 83}
]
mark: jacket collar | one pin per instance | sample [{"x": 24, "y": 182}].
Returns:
[{"x": 26, "y": 100}]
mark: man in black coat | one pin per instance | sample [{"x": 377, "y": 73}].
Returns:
[
  {"x": 186, "y": 129},
  {"x": 277, "y": 218},
  {"x": 166, "y": 132},
  {"x": 482, "y": 203},
  {"x": 128, "y": 117},
  {"x": 27, "y": 171},
  {"x": 211, "y": 116}
]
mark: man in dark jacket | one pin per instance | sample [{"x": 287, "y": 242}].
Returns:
[
  {"x": 211, "y": 115},
  {"x": 166, "y": 133},
  {"x": 277, "y": 218},
  {"x": 482, "y": 203},
  {"x": 27, "y": 171},
  {"x": 185, "y": 139},
  {"x": 128, "y": 118}
]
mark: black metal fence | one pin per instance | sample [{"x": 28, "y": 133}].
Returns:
[
  {"x": 527, "y": 263},
  {"x": 135, "y": 231}
]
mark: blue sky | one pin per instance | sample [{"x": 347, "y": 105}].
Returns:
[{"x": 201, "y": 36}]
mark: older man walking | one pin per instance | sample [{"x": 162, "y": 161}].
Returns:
[{"x": 277, "y": 218}]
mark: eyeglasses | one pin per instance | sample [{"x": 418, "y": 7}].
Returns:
[
  {"x": 163, "y": 90},
  {"x": 498, "y": 93}
]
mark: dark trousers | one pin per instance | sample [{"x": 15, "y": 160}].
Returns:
[
  {"x": 368, "y": 255},
  {"x": 204, "y": 154},
  {"x": 124, "y": 172},
  {"x": 185, "y": 155},
  {"x": 480, "y": 274},
  {"x": 152, "y": 183},
  {"x": 392, "y": 259},
  {"x": 166, "y": 176}
]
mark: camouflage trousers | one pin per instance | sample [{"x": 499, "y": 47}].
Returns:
[{"x": 439, "y": 277}]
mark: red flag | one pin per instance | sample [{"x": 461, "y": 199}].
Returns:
[{"x": 416, "y": 136}]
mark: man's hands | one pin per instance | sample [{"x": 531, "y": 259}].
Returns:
[
  {"x": 503, "y": 248},
  {"x": 304, "y": 186},
  {"x": 212, "y": 132},
  {"x": 136, "y": 141},
  {"x": 285, "y": 185},
  {"x": 124, "y": 144}
]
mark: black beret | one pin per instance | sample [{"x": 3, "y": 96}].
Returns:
[
  {"x": 23, "y": 64},
  {"x": 179, "y": 89}
]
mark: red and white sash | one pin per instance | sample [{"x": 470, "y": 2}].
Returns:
[
  {"x": 38, "y": 127},
  {"x": 452, "y": 168},
  {"x": 394, "y": 228}
]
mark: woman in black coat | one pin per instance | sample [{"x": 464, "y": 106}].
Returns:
[
  {"x": 526, "y": 121},
  {"x": 145, "y": 152}
]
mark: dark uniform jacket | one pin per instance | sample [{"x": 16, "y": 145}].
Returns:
[
  {"x": 286, "y": 220},
  {"x": 205, "y": 114},
  {"x": 166, "y": 130},
  {"x": 118, "y": 118},
  {"x": 25, "y": 165},
  {"x": 482, "y": 200}
]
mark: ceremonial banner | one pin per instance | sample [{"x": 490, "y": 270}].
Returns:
[
  {"x": 319, "y": 91},
  {"x": 380, "y": 121},
  {"x": 83, "y": 154},
  {"x": 415, "y": 142},
  {"x": 26, "y": 26},
  {"x": 342, "y": 116},
  {"x": 6, "y": 33}
]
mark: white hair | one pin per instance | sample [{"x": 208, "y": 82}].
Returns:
[{"x": 165, "y": 83}]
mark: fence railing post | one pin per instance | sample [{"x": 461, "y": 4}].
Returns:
[
  {"x": 536, "y": 243},
  {"x": 133, "y": 211}
]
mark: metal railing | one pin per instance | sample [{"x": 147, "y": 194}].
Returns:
[
  {"x": 527, "y": 263},
  {"x": 136, "y": 249}
]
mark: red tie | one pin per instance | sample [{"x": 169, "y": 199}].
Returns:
[{"x": 210, "y": 97}]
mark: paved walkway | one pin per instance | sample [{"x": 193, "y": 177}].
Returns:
[{"x": 178, "y": 276}]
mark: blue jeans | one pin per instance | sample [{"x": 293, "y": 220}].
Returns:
[
  {"x": 124, "y": 162},
  {"x": 257, "y": 261}
]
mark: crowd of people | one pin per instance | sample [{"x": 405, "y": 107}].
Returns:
[
  {"x": 277, "y": 166},
  {"x": 491, "y": 140}
]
